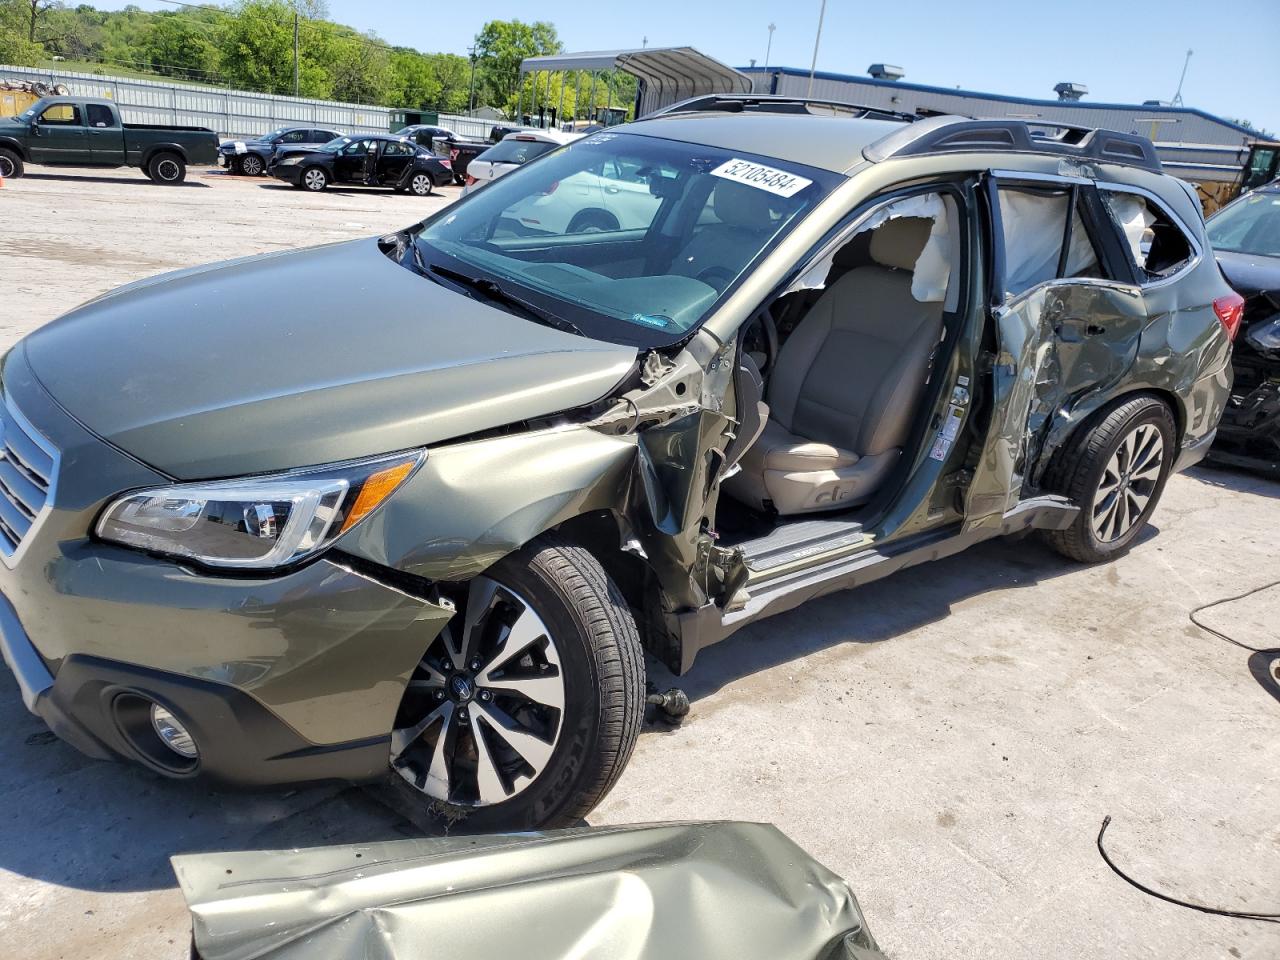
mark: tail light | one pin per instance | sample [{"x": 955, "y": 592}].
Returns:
[
  {"x": 470, "y": 180},
  {"x": 1230, "y": 311},
  {"x": 453, "y": 153},
  {"x": 551, "y": 188},
  {"x": 448, "y": 165}
]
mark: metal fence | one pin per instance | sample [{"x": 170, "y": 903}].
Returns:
[{"x": 232, "y": 113}]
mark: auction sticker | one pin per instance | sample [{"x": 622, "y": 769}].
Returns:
[{"x": 764, "y": 178}]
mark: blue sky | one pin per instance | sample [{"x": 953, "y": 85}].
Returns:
[{"x": 1124, "y": 51}]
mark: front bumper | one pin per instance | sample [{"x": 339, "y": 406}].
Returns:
[
  {"x": 280, "y": 679},
  {"x": 1249, "y": 435},
  {"x": 288, "y": 172}
]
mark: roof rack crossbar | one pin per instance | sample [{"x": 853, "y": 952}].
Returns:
[
  {"x": 772, "y": 103},
  {"x": 958, "y": 135}
]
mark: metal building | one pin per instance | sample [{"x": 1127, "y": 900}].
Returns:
[{"x": 1192, "y": 144}]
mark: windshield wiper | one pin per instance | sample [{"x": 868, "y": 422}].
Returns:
[{"x": 492, "y": 290}]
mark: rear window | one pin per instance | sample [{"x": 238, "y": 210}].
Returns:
[
  {"x": 1156, "y": 244},
  {"x": 516, "y": 151},
  {"x": 1250, "y": 225}
]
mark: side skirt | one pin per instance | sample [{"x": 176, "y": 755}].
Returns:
[{"x": 710, "y": 624}]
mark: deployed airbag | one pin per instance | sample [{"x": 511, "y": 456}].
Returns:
[{"x": 736, "y": 891}]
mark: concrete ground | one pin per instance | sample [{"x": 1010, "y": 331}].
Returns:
[{"x": 949, "y": 739}]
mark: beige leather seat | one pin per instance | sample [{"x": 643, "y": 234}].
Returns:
[
  {"x": 718, "y": 251},
  {"x": 846, "y": 385}
]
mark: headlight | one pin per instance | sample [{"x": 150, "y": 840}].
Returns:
[
  {"x": 259, "y": 522},
  {"x": 288, "y": 160}
]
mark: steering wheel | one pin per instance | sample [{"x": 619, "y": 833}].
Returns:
[{"x": 769, "y": 329}]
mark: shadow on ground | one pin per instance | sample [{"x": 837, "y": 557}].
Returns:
[
  {"x": 142, "y": 180},
  {"x": 1235, "y": 478}
]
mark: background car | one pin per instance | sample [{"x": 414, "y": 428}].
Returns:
[
  {"x": 250, "y": 157},
  {"x": 1246, "y": 241},
  {"x": 613, "y": 195},
  {"x": 368, "y": 161},
  {"x": 515, "y": 150}
]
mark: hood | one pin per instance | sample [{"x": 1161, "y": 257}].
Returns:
[
  {"x": 305, "y": 357},
  {"x": 649, "y": 892},
  {"x": 1250, "y": 273}
]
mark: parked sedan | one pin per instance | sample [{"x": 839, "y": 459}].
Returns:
[
  {"x": 366, "y": 161},
  {"x": 515, "y": 150},
  {"x": 1246, "y": 240},
  {"x": 250, "y": 157}
]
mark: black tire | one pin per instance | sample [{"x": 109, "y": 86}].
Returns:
[
  {"x": 167, "y": 169},
  {"x": 419, "y": 184},
  {"x": 11, "y": 167},
  {"x": 1077, "y": 472},
  {"x": 603, "y": 668},
  {"x": 593, "y": 221},
  {"x": 251, "y": 165},
  {"x": 459, "y": 178},
  {"x": 314, "y": 179}
]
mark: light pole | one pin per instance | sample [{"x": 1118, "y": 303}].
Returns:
[
  {"x": 816, "y": 40},
  {"x": 471, "y": 92},
  {"x": 769, "y": 49},
  {"x": 1177, "y": 97}
]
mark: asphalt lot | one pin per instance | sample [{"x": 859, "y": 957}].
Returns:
[{"x": 948, "y": 739}]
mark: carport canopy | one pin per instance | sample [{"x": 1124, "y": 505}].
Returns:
[{"x": 666, "y": 74}]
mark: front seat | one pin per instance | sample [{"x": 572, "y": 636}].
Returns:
[
  {"x": 718, "y": 251},
  {"x": 846, "y": 385}
]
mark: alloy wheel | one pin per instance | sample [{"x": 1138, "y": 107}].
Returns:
[
  {"x": 314, "y": 180},
  {"x": 1128, "y": 482},
  {"x": 6, "y": 168},
  {"x": 251, "y": 166},
  {"x": 168, "y": 170},
  {"x": 421, "y": 184},
  {"x": 482, "y": 712}
]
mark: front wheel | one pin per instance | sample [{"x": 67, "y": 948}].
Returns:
[
  {"x": 10, "y": 165},
  {"x": 523, "y": 712},
  {"x": 251, "y": 165},
  {"x": 1116, "y": 471},
  {"x": 167, "y": 169},
  {"x": 314, "y": 179}
]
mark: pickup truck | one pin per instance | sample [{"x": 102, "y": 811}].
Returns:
[{"x": 88, "y": 133}]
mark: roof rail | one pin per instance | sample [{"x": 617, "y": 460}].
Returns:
[
  {"x": 959, "y": 135},
  {"x": 762, "y": 103}
]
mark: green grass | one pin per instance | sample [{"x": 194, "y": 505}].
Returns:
[{"x": 107, "y": 70}]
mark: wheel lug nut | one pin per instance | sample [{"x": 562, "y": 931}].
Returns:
[
  {"x": 486, "y": 696},
  {"x": 475, "y": 664},
  {"x": 439, "y": 694}
]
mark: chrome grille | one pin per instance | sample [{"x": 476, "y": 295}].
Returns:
[{"x": 26, "y": 471}]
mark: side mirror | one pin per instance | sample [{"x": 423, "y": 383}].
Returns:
[{"x": 35, "y": 129}]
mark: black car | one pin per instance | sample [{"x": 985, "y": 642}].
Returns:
[
  {"x": 1246, "y": 240},
  {"x": 250, "y": 157},
  {"x": 371, "y": 160}
]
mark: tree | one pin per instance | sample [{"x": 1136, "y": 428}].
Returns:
[
  {"x": 500, "y": 47},
  {"x": 15, "y": 48},
  {"x": 35, "y": 10},
  {"x": 178, "y": 47}
]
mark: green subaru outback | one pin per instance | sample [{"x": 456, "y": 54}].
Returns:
[{"x": 414, "y": 508}]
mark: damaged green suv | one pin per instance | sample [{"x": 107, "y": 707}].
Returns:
[{"x": 413, "y": 509}]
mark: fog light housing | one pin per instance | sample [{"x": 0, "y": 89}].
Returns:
[{"x": 172, "y": 733}]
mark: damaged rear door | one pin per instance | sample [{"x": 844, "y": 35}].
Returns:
[{"x": 1066, "y": 319}]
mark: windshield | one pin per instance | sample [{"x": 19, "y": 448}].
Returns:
[
  {"x": 517, "y": 151},
  {"x": 336, "y": 144},
  {"x": 1250, "y": 225},
  {"x": 633, "y": 239},
  {"x": 275, "y": 135}
]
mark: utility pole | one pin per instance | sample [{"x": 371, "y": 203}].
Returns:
[
  {"x": 1177, "y": 97},
  {"x": 816, "y": 40},
  {"x": 471, "y": 94},
  {"x": 295, "y": 50}
]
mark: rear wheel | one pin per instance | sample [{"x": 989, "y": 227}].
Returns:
[
  {"x": 593, "y": 221},
  {"x": 10, "y": 165},
  {"x": 168, "y": 169},
  {"x": 251, "y": 165},
  {"x": 524, "y": 711},
  {"x": 314, "y": 179},
  {"x": 1115, "y": 470},
  {"x": 420, "y": 184}
]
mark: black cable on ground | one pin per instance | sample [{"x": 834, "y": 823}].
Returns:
[
  {"x": 1106, "y": 821},
  {"x": 1216, "y": 911},
  {"x": 1217, "y": 603}
]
